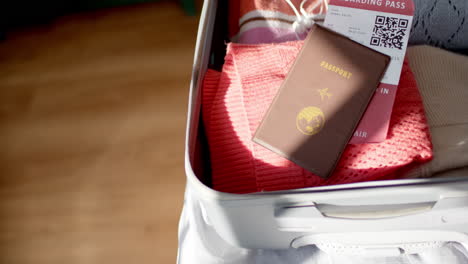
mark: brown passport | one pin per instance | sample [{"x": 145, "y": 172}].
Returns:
[{"x": 321, "y": 101}]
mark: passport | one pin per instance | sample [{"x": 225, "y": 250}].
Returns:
[{"x": 319, "y": 104}]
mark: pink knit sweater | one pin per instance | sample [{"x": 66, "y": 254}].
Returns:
[{"x": 235, "y": 100}]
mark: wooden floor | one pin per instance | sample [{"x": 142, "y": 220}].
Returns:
[{"x": 92, "y": 123}]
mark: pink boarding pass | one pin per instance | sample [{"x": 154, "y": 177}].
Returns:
[{"x": 382, "y": 25}]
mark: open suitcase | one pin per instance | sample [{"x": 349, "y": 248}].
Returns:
[{"x": 387, "y": 217}]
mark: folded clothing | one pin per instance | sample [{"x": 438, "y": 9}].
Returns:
[
  {"x": 235, "y": 100},
  {"x": 440, "y": 23},
  {"x": 442, "y": 78}
]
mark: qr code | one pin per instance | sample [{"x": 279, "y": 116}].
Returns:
[{"x": 389, "y": 32}]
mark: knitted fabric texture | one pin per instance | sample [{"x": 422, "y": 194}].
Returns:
[
  {"x": 441, "y": 23},
  {"x": 443, "y": 82},
  {"x": 235, "y": 100}
]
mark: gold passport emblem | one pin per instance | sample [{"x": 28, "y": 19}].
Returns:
[
  {"x": 324, "y": 93},
  {"x": 310, "y": 120}
]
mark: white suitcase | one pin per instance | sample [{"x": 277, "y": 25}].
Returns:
[{"x": 391, "y": 216}]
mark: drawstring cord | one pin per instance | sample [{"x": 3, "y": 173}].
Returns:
[{"x": 304, "y": 21}]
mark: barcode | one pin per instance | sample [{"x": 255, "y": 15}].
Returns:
[{"x": 389, "y": 32}]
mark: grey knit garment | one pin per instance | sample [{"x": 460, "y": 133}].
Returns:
[{"x": 441, "y": 23}]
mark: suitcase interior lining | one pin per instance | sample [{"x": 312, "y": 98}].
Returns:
[{"x": 201, "y": 163}]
